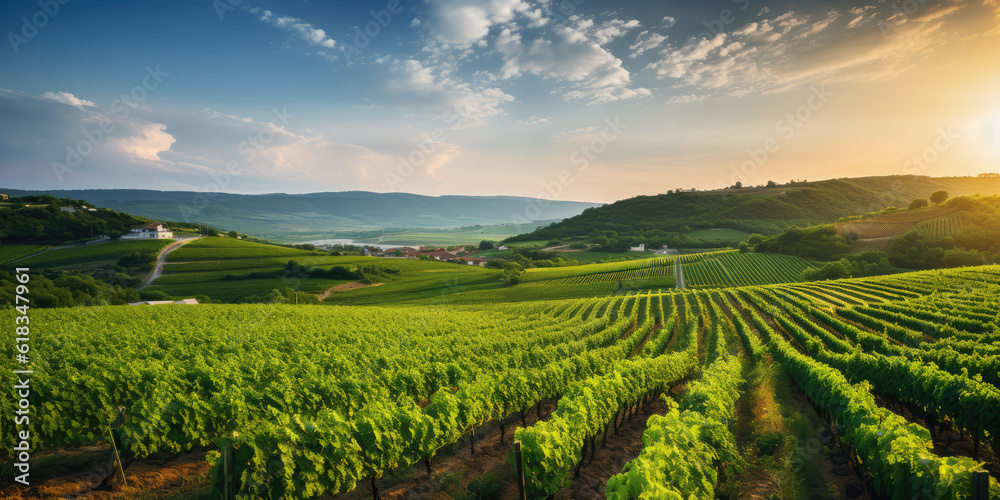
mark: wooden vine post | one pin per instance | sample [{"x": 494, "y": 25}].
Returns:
[
  {"x": 228, "y": 457},
  {"x": 521, "y": 491},
  {"x": 980, "y": 485}
]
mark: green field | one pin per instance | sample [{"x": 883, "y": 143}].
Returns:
[
  {"x": 590, "y": 256},
  {"x": 218, "y": 247},
  {"x": 90, "y": 256},
  {"x": 320, "y": 388},
  {"x": 11, "y": 251},
  {"x": 719, "y": 234},
  {"x": 209, "y": 266}
]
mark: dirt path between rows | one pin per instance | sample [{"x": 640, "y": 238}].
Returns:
[
  {"x": 345, "y": 287},
  {"x": 79, "y": 472}
]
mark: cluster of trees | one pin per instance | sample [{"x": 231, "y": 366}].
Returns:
[
  {"x": 367, "y": 273},
  {"x": 138, "y": 261},
  {"x": 42, "y": 222},
  {"x": 937, "y": 198},
  {"x": 918, "y": 249},
  {"x": 512, "y": 271},
  {"x": 537, "y": 258},
  {"x": 851, "y": 266}
]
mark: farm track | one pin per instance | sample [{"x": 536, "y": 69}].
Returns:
[{"x": 161, "y": 258}]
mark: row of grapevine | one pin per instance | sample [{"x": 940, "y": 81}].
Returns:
[
  {"x": 613, "y": 271},
  {"x": 896, "y": 454},
  {"x": 552, "y": 448},
  {"x": 742, "y": 269},
  {"x": 683, "y": 449},
  {"x": 969, "y": 403}
]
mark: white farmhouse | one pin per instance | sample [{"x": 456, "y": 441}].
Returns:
[
  {"x": 151, "y": 231},
  {"x": 640, "y": 248}
]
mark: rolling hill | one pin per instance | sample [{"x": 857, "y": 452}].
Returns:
[
  {"x": 761, "y": 210},
  {"x": 280, "y": 216}
]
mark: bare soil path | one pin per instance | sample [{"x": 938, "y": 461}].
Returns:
[{"x": 161, "y": 258}]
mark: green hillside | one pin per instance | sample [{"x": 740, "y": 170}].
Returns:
[
  {"x": 91, "y": 256},
  {"x": 670, "y": 218}
]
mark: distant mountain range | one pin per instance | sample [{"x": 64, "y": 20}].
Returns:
[{"x": 281, "y": 216}]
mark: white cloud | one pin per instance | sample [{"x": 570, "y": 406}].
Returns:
[
  {"x": 820, "y": 25},
  {"x": 572, "y": 53},
  {"x": 861, "y": 16},
  {"x": 67, "y": 98},
  {"x": 305, "y": 31},
  {"x": 646, "y": 40},
  {"x": 612, "y": 29},
  {"x": 775, "y": 54},
  {"x": 684, "y": 98},
  {"x": 145, "y": 142},
  {"x": 533, "y": 121},
  {"x": 464, "y": 22},
  {"x": 460, "y": 104}
]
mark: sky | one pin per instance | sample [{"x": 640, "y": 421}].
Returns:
[{"x": 580, "y": 100}]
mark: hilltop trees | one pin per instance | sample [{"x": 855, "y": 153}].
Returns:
[
  {"x": 918, "y": 203},
  {"x": 939, "y": 197}
]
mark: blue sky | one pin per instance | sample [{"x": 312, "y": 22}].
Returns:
[{"x": 570, "y": 99}]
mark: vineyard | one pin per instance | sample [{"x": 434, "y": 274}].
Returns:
[
  {"x": 938, "y": 221},
  {"x": 741, "y": 269},
  {"x": 301, "y": 401},
  {"x": 612, "y": 271},
  {"x": 11, "y": 251},
  {"x": 89, "y": 256}
]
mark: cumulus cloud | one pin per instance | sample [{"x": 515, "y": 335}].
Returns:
[
  {"x": 464, "y": 22},
  {"x": 67, "y": 98},
  {"x": 573, "y": 53},
  {"x": 145, "y": 141}
]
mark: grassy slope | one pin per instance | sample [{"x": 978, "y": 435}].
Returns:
[
  {"x": 90, "y": 256},
  {"x": 11, "y": 251}
]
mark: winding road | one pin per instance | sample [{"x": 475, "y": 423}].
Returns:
[{"x": 161, "y": 258}]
